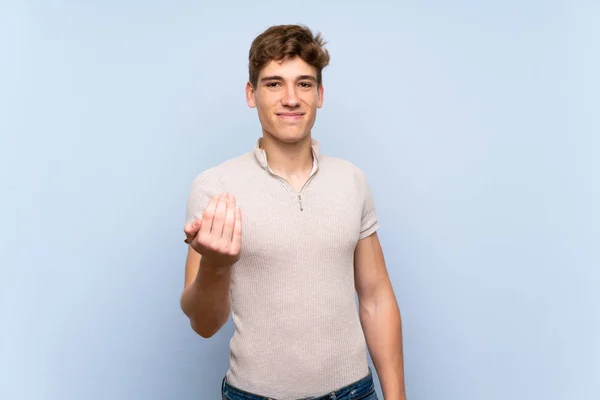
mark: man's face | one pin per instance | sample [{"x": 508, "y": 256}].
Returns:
[{"x": 287, "y": 97}]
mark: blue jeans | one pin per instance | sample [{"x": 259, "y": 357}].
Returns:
[{"x": 363, "y": 389}]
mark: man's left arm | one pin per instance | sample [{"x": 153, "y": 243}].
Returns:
[{"x": 380, "y": 316}]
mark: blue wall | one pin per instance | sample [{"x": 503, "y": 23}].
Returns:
[{"x": 476, "y": 122}]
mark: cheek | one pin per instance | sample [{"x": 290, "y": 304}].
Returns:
[
  {"x": 263, "y": 107},
  {"x": 266, "y": 106},
  {"x": 311, "y": 100}
]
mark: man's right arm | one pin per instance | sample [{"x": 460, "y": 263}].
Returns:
[
  {"x": 214, "y": 247},
  {"x": 205, "y": 298}
]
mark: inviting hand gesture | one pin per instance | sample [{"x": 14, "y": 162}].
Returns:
[{"x": 218, "y": 235}]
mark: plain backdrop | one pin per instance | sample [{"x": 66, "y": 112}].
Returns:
[{"x": 477, "y": 126}]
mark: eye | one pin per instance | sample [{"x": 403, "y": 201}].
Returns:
[
  {"x": 272, "y": 84},
  {"x": 306, "y": 85}
]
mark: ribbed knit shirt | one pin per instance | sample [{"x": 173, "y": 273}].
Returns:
[{"x": 293, "y": 300}]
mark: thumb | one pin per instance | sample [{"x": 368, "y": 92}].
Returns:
[
  {"x": 191, "y": 230},
  {"x": 193, "y": 227}
]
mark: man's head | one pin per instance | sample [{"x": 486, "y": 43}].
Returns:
[{"x": 285, "y": 83}]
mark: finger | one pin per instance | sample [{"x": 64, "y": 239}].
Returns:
[
  {"x": 188, "y": 228},
  {"x": 236, "y": 241},
  {"x": 208, "y": 216},
  {"x": 191, "y": 229},
  {"x": 229, "y": 219},
  {"x": 216, "y": 230}
]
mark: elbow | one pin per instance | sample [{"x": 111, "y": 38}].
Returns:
[
  {"x": 198, "y": 326},
  {"x": 202, "y": 331},
  {"x": 376, "y": 301},
  {"x": 207, "y": 328},
  {"x": 205, "y": 321},
  {"x": 368, "y": 309}
]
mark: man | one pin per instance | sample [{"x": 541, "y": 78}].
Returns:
[{"x": 289, "y": 265}]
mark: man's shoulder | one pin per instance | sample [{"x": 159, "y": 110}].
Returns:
[
  {"x": 223, "y": 168},
  {"x": 218, "y": 175},
  {"x": 341, "y": 166}
]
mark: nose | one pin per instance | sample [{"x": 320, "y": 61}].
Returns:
[{"x": 290, "y": 98}]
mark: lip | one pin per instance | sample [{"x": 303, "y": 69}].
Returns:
[{"x": 290, "y": 116}]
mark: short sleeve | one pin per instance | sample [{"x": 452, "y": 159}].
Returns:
[
  {"x": 369, "y": 221},
  {"x": 204, "y": 187}
]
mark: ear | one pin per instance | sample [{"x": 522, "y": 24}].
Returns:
[
  {"x": 250, "y": 93},
  {"x": 320, "y": 94}
]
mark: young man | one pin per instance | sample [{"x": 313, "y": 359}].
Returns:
[{"x": 289, "y": 269}]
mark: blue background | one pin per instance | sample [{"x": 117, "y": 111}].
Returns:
[{"x": 476, "y": 123}]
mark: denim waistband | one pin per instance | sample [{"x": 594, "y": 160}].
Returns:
[{"x": 356, "y": 390}]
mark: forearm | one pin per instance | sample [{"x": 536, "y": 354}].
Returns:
[
  {"x": 382, "y": 325},
  {"x": 206, "y": 301}
]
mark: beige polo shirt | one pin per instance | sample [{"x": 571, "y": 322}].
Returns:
[{"x": 297, "y": 328}]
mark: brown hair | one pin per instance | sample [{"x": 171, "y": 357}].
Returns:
[{"x": 287, "y": 41}]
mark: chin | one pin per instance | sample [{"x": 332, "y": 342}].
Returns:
[{"x": 290, "y": 137}]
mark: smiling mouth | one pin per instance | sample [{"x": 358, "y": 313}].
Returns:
[{"x": 290, "y": 116}]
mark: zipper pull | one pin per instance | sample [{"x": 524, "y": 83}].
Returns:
[{"x": 300, "y": 201}]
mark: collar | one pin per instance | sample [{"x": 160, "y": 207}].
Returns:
[{"x": 261, "y": 155}]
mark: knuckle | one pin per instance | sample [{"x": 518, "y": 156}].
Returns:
[{"x": 204, "y": 240}]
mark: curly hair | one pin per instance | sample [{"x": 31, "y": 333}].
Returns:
[{"x": 287, "y": 41}]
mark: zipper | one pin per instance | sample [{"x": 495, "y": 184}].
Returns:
[
  {"x": 298, "y": 194},
  {"x": 302, "y": 190}
]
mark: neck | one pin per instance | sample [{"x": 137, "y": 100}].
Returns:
[{"x": 288, "y": 158}]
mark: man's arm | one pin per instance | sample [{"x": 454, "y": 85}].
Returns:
[
  {"x": 214, "y": 247},
  {"x": 205, "y": 298},
  {"x": 380, "y": 316}
]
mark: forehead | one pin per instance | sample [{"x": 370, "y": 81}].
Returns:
[{"x": 288, "y": 68}]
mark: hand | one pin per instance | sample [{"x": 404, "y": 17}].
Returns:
[{"x": 218, "y": 235}]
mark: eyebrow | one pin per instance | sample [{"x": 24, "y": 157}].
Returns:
[{"x": 279, "y": 78}]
